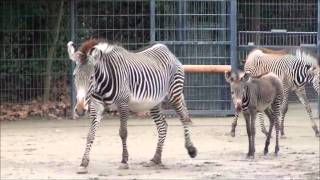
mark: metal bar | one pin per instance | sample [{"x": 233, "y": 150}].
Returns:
[
  {"x": 269, "y": 32},
  {"x": 72, "y": 36},
  {"x": 152, "y": 21},
  {"x": 233, "y": 34},
  {"x": 318, "y": 49},
  {"x": 180, "y": 30},
  {"x": 206, "y": 68}
]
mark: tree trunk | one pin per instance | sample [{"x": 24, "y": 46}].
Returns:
[{"x": 51, "y": 52}]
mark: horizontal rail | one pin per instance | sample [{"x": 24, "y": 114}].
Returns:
[{"x": 206, "y": 68}]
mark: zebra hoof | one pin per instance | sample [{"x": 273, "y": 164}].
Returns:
[
  {"x": 250, "y": 156},
  {"x": 82, "y": 170},
  {"x": 316, "y": 131},
  {"x": 265, "y": 152},
  {"x": 192, "y": 151},
  {"x": 232, "y": 134},
  {"x": 283, "y": 137},
  {"x": 276, "y": 151},
  {"x": 152, "y": 164},
  {"x": 123, "y": 166}
]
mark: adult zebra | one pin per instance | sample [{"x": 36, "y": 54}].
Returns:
[
  {"x": 294, "y": 70},
  {"x": 129, "y": 81}
]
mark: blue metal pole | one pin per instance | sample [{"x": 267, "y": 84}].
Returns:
[
  {"x": 152, "y": 21},
  {"x": 233, "y": 35},
  {"x": 72, "y": 36}
]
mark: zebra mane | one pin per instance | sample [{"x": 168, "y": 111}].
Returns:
[
  {"x": 272, "y": 51},
  {"x": 94, "y": 44},
  {"x": 264, "y": 51},
  {"x": 88, "y": 44}
]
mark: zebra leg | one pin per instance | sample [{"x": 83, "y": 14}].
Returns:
[
  {"x": 253, "y": 131},
  {"x": 277, "y": 127},
  {"x": 262, "y": 126},
  {"x": 276, "y": 107},
  {"x": 301, "y": 93},
  {"x": 248, "y": 126},
  {"x": 124, "y": 114},
  {"x": 271, "y": 120},
  {"x": 234, "y": 125},
  {"x": 96, "y": 110},
  {"x": 162, "y": 127},
  {"x": 179, "y": 105},
  {"x": 284, "y": 109}
]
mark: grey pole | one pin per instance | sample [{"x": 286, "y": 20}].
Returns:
[
  {"x": 152, "y": 21},
  {"x": 233, "y": 39},
  {"x": 180, "y": 11},
  {"x": 233, "y": 35},
  {"x": 72, "y": 36},
  {"x": 318, "y": 48}
]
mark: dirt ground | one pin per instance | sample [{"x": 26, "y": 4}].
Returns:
[{"x": 52, "y": 149}]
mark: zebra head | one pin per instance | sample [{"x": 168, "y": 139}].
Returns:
[
  {"x": 237, "y": 81},
  {"x": 82, "y": 76}
]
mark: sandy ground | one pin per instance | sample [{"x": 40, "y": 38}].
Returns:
[{"x": 50, "y": 149}]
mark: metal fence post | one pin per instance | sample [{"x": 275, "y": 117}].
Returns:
[
  {"x": 152, "y": 21},
  {"x": 72, "y": 36},
  {"x": 318, "y": 49},
  {"x": 233, "y": 35}
]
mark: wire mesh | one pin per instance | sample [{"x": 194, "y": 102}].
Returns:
[
  {"x": 34, "y": 64},
  {"x": 198, "y": 32},
  {"x": 33, "y": 58},
  {"x": 125, "y": 22},
  {"x": 286, "y": 24}
]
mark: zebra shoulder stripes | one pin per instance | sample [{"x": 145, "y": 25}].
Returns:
[
  {"x": 135, "y": 81},
  {"x": 294, "y": 70},
  {"x": 255, "y": 95}
]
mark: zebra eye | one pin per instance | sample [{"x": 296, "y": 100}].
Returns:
[{"x": 232, "y": 92}]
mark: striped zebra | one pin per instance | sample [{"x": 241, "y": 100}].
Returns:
[
  {"x": 294, "y": 70},
  {"x": 136, "y": 81},
  {"x": 253, "y": 95}
]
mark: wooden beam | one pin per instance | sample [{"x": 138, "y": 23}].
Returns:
[{"x": 206, "y": 68}]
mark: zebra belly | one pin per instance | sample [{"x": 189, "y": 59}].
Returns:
[
  {"x": 137, "y": 105},
  {"x": 262, "y": 107}
]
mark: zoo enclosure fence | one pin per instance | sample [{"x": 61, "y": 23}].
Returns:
[{"x": 34, "y": 64}]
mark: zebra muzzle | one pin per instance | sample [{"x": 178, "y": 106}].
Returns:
[{"x": 80, "y": 111}]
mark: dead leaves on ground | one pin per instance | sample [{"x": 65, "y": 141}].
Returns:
[{"x": 49, "y": 109}]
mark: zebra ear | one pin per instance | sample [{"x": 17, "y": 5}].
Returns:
[
  {"x": 246, "y": 77},
  {"x": 228, "y": 76},
  {"x": 71, "y": 50}
]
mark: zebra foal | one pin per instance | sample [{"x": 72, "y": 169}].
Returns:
[
  {"x": 294, "y": 69},
  {"x": 109, "y": 75},
  {"x": 253, "y": 95}
]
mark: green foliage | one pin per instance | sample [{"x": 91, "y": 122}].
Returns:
[{"x": 28, "y": 32}]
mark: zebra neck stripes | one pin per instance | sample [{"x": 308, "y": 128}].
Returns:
[{"x": 246, "y": 98}]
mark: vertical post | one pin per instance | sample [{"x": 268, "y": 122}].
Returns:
[
  {"x": 318, "y": 49},
  {"x": 152, "y": 21},
  {"x": 180, "y": 11},
  {"x": 233, "y": 35},
  {"x": 72, "y": 36}
]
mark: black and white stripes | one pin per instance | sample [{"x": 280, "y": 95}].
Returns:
[
  {"x": 294, "y": 70},
  {"x": 136, "y": 81}
]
